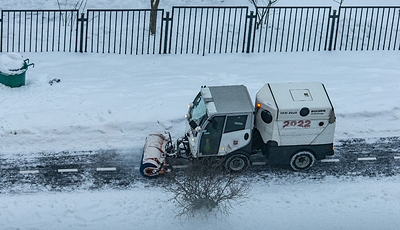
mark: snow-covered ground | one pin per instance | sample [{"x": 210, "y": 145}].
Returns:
[
  {"x": 329, "y": 204},
  {"x": 114, "y": 101},
  {"x": 109, "y": 101}
]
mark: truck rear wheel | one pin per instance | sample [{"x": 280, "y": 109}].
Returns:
[
  {"x": 237, "y": 163},
  {"x": 302, "y": 160}
]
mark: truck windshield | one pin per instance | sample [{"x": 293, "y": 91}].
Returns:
[{"x": 198, "y": 111}]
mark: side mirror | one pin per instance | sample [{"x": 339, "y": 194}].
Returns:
[{"x": 193, "y": 124}]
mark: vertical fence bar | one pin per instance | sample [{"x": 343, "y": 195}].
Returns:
[
  {"x": 397, "y": 31},
  {"x": 387, "y": 25},
  {"x": 277, "y": 26},
  {"x": 13, "y": 32},
  {"x": 359, "y": 28},
  {"x": 201, "y": 26},
  {"x": 283, "y": 30},
  {"x": 249, "y": 40},
  {"x": 167, "y": 21},
  {"x": 305, "y": 31},
  {"x": 311, "y": 25},
  {"x": 227, "y": 35},
  {"x": 194, "y": 31},
  {"x": 376, "y": 26},
  {"x": 333, "y": 18},
  {"x": 48, "y": 31},
  {"x": 322, "y": 28},
  {"x": 380, "y": 30},
  {"x": 299, "y": 31},
  {"x": 391, "y": 29},
  {"x": 288, "y": 35},
  {"x": 294, "y": 30},
  {"x": 132, "y": 31},
  {"x": 1, "y": 31},
  {"x": 222, "y": 31},
  {"x": 316, "y": 30},
  {"x": 272, "y": 29},
  {"x": 82, "y": 21}
]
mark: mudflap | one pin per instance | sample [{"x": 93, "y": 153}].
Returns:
[{"x": 154, "y": 161}]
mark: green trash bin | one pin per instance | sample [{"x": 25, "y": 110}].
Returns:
[{"x": 13, "y": 69}]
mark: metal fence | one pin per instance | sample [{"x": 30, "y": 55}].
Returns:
[
  {"x": 122, "y": 31},
  {"x": 207, "y": 30},
  {"x": 368, "y": 28},
  {"x": 292, "y": 29},
  {"x": 38, "y": 30},
  {"x": 201, "y": 30}
]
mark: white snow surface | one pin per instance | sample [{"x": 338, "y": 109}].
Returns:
[
  {"x": 110, "y": 101},
  {"x": 11, "y": 63}
]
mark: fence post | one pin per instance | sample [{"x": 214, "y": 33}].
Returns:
[
  {"x": 249, "y": 41},
  {"x": 167, "y": 19},
  {"x": 1, "y": 31},
  {"x": 82, "y": 20},
  {"x": 332, "y": 36}
]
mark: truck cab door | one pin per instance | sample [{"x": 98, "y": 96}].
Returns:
[{"x": 211, "y": 136}]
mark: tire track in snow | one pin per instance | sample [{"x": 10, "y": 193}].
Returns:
[{"x": 119, "y": 168}]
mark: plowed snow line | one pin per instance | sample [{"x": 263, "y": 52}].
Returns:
[
  {"x": 106, "y": 169},
  {"x": 329, "y": 160},
  {"x": 29, "y": 171},
  {"x": 366, "y": 159},
  {"x": 67, "y": 170}
]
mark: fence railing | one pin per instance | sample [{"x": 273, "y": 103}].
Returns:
[
  {"x": 292, "y": 29},
  {"x": 201, "y": 30},
  {"x": 39, "y": 30},
  {"x": 122, "y": 31},
  {"x": 368, "y": 28}
]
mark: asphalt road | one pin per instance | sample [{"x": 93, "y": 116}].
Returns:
[{"x": 118, "y": 169}]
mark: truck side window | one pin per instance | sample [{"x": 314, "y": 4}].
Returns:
[{"x": 235, "y": 123}]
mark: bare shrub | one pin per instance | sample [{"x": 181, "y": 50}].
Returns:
[
  {"x": 76, "y": 5},
  {"x": 205, "y": 188},
  {"x": 262, "y": 14}
]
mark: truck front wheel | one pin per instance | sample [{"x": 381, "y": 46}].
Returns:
[
  {"x": 237, "y": 163},
  {"x": 302, "y": 160}
]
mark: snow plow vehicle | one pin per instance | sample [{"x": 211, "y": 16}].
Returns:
[{"x": 290, "y": 123}]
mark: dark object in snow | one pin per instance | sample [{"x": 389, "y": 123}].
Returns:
[{"x": 57, "y": 80}]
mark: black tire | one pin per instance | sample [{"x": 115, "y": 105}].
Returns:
[
  {"x": 302, "y": 160},
  {"x": 146, "y": 169},
  {"x": 237, "y": 163}
]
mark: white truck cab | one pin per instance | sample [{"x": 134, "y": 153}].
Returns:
[{"x": 220, "y": 120}]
